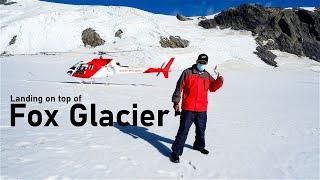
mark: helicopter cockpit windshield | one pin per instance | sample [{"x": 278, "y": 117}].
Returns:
[{"x": 77, "y": 68}]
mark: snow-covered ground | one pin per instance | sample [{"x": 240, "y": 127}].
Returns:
[{"x": 263, "y": 123}]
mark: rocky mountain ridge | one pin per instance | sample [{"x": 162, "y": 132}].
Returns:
[{"x": 295, "y": 31}]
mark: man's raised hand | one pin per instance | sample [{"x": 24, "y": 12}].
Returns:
[{"x": 217, "y": 73}]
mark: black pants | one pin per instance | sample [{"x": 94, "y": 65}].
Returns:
[{"x": 186, "y": 120}]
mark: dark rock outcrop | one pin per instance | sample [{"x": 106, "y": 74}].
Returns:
[
  {"x": 209, "y": 23},
  {"x": 5, "y": 2},
  {"x": 90, "y": 37},
  {"x": 173, "y": 42},
  {"x": 182, "y": 17},
  {"x": 266, "y": 56},
  {"x": 118, "y": 33},
  {"x": 245, "y": 17},
  {"x": 13, "y": 40},
  {"x": 295, "y": 31},
  {"x": 5, "y": 54}
]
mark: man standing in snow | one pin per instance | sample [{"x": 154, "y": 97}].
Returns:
[{"x": 194, "y": 83}]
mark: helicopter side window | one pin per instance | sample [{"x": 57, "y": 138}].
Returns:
[
  {"x": 91, "y": 67},
  {"x": 81, "y": 69}
]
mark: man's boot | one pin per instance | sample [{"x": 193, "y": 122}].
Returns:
[
  {"x": 174, "y": 158},
  {"x": 202, "y": 150}
]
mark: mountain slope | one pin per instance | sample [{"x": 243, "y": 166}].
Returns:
[{"x": 42, "y": 26}]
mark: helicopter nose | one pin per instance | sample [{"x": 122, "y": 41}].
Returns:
[{"x": 69, "y": 73}]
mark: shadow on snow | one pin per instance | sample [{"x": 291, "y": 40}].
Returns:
[{"x": 154, "y": 139}]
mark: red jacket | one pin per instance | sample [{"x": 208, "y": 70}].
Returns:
[{"x": 195, "y": 85}]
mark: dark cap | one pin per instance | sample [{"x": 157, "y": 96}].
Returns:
[{"x": 203, "y": 58}]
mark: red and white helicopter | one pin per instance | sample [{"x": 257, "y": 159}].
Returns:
[{"x": 101, "y": 67}]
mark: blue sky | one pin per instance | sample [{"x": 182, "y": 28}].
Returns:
[{"x": 190, "y": 7}]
